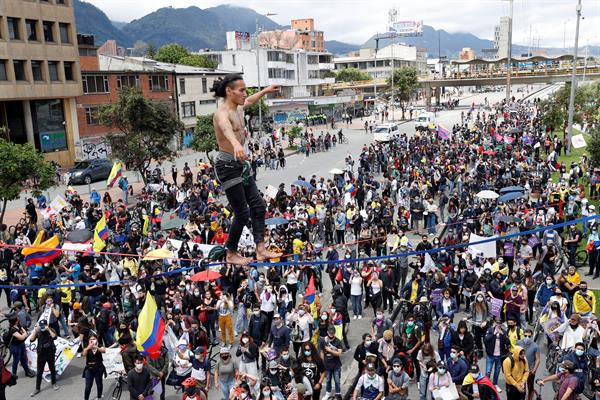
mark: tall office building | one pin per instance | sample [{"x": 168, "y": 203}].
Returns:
[
  {"x": 501, "y": 33},
  {"x": 40, "y": 76}
]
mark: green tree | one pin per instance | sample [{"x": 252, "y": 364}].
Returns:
[
  {"x": 198, "y": 60},
  {"x": 21, "y": 164},
  {"x": 593, "y": 146},
  {"x": 145, "y": 129},
  {"x": 294, "y": 133},
  {"x": 351, "y": 74},
  {"x": 405, "y": 84},
  {"x": 171, "y": 53},
  {"x": 204, "y": 139},
  {"x": 151, "y": 51}
]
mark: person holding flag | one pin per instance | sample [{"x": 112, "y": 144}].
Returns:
[
  {"x": 151, "y": 329},
  {"x": 100, "y": 234},
  {"x": 477, "y": 385},
  {"x": 115, "y": 174}
]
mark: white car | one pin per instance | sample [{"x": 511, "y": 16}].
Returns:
[
  {"x": 424, "y": 119},
  {"x": 386, "y": 132}
]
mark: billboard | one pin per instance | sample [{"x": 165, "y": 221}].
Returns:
[{"x": 406, "y": 28}]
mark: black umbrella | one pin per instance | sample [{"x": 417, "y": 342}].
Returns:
[{"x": 79, "y": 236}]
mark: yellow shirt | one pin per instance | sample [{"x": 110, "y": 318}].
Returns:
[
  {"x": 414, "y": 291},
  {"x": 68, "y": 292},
  {"x": 575, "y": 278},
  {"x": 583, "y": 304},
  {"x": 297, "y": 246},
  {"x": 513, "y": 337}
]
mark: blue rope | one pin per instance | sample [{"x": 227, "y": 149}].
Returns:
[{"x": 324, "y": 262}]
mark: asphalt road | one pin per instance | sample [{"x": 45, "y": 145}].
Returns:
[{"x": 71, "y": 383}]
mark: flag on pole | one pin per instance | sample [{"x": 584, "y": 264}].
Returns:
[
  {"x": 100, "y": 234},
  {"x": 310, "y": 293},
  {"x": 146, "y": 225},
  {"x": 42, "y": 252},
  {"x": 115, "y": 174},
  {"x": 443, "y": 133},
  {"x": 151, "y": 329}
]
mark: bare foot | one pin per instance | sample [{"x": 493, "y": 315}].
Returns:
[
  {"x": 233, "y": 257},
  {"x": 264, "y": 254}
]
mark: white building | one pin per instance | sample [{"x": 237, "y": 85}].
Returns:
[
  {"x": 300, "y": 73},
  {"x": 501, "y": 33},
  {"x": 192, "y": 89},
  {"x": 380, "y": 65}
]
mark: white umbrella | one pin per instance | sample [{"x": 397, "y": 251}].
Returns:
[
  {"x": 336, "y": 171},
  {"x": 487, "y": 194}
]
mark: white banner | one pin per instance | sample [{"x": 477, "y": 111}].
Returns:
[
  {"x": 578, "y": 141},
  {"x": 486, "y": 250},
  {"x": 271, "y": 192},
  {"x": 65, "y": 352},
  {"x": 113, "y": 361}
]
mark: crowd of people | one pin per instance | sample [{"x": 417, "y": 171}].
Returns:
[{"x": 446, "y": 321}]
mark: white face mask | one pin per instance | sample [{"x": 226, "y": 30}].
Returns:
[
  {"x": 245, "y": 340},
  {"x": 139, "y": 367},
  {"x": 397, "y": 370},
  {"x": 301, "y": 312}
]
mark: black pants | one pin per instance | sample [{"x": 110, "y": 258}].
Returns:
[
  {"x": 513, "y": 393},
  {"x": 593, "y": 263},
  {"x": 92, "y": 375},
  {"x": 293, "y": 290},
  {"x": 43, "y": 358},
  {"x": 244, "y": 199}
]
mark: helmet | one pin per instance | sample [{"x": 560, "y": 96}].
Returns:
[{"x": 189, "y": 382}]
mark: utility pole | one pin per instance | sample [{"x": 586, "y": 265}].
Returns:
[
  {"x": 257, "y": 44},
  {"x": 392, "y": 106},
  {"x": 509, "y": 55},
  {"x": 573, "y": 80}
]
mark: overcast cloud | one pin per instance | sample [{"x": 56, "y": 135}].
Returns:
[{"x": 355, "y": 21}]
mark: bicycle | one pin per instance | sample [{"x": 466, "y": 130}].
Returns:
[
  {"x": 581, "y": 258},
  {"x": 5, "y": 353},
  {"x": 121, "y": 380}
]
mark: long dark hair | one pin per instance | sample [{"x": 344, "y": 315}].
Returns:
[{"x": 220, "y": 85}]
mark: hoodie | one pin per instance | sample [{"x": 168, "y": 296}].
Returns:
[{"x": 516, "y": 371}]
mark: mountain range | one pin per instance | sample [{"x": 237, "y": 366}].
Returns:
[{"x": 198, "y": 29}]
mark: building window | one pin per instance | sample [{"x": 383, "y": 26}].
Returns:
[
  {"x": 233, "y": 59},
  {"x": 68, "y": 67},
  {"x": 128, "y": 81},
  {"x": 314, "y": 59},
  {"x": 53, "y": 70},
  {"x": 95, "y": 84},
  {"x": 3, "y": 76},
  {"x": 159, "y": 83},
  {"x": 92, "y": 115},
  {"x": 182, "y": 85},
  {"x": 201, "y": 102},
  {"x": 188, "y": 109},
  {"x": 13, "y": 28},
  {"x": 49, "y": 125},
  {"x": 36, "y": 71},
  {"x": 204, "y": 85},
  {"x": 19, "y": 67},
  {"x": 63, "y": 2},
  {"x": 31, "y": 26},
  {"x": 48, "y": 31},
  {"x": 64, "y": 33}
]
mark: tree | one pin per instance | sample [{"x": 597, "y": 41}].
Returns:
[
  {"x": 145, "y": 129},
  {"x": 593, "y": 147},
  {"x": 405, "y": 84},
  {"x": 151, "y": 52},
  {"x": 197, "y": 60},
  {"x": 352, "y": 74},
  {"x": 171, "y": 53},
  {"x": 22, "y": 163},
  {"x": 294, "y": 133},
  {"x": 204, "y": 139}
]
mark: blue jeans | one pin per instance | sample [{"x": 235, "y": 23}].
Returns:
[
  {"x": 19, "y": 354},
  {"x": 226, "y": 387},
  {"x": 336, "y": 374},
  {"x": 423, "y": 380},
  {"x": 356, "y": 304},
  {"x": 496, "y": 363}
]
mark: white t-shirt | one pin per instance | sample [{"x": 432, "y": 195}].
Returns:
[{"x": 356, "y": 287}]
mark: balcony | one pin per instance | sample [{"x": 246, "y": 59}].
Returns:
[{"x": 327, "y": 66}]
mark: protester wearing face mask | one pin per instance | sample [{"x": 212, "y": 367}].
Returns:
[
  {"x": 266, "y": 392},
  {"x": 46, "y": 350},
  {"x": 225, "y": 372},
  {"x": 94, "y": 367},
  {"x": 439, "y": 378},
  {"x": 572, "y": 332},
  {"x": 367, "y": 346},
  {"x": 301, "y": 323},
  {"x": 331, "y": 352},
  {"x": 398, "y": 381},
  {"x": 532, "y": 354},
  {"x": 248, "y": 351},
  {"x": 580, "y": 360},
  {"x": 457, "y": 366},
  {"x": 139, "y": 381},
  {"x": 479, "y": 315},
  {"x": 279, "y": 335},
  {"x": 370, "y": 386},
  {"x": 568, "y": 381},
  {"x": 158, "y": 367},
  {"x": 312, "y": 366},
  {"x": 477, "y": 386},
  {"x": 584, "y": 301},
  {"x": 516, "y": 373},
  {"x": 386, "y": 351},
  {"x": 201, "y": 371},
  {"x": 380, "y": 324},
  {"x": 545, "y": 291}
]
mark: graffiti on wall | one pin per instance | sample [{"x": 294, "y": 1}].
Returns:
[
  {"x": 92, "y": 149},
  {"x": 290, "y": 117}
]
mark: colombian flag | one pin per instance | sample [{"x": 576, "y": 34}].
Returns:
[
  {"x": 115, "y": 174},
  {"x": 211, "y": 198},
  {"x": 151, "y": 329},
  {"x": 42, "y": 252},
  {"x": 100, "y": 234},
  {"x": 310, "y": 293},
  {"x": 146, "y": 220}
]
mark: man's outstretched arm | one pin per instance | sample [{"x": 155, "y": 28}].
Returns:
[{"x": 251, "y": 100}]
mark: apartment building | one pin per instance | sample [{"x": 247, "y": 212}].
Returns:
[
  {"x": 380, "y": 65},
  {"x": 40, "y": 76}
]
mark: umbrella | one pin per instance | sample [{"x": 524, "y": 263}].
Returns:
[
  {"x": 158, "y": 254},
  {"x": 509, "y": 189},
  {"x": 509, "y": 218},
  {"x": 487, "y": 194},
  {"x": 336, "y": 171},
  {"x": 276, "y": 221},
  {"x": 205, "y": 276},
  {"x": 79, "y": 236},
  {"x": 489, "y": 152},
  {"x": 303, "y": 184},
  {"x": 510, "y": 196}
]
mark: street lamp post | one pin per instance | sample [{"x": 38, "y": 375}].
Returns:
[
  {"x": 509, "y": 54},
  {"x": 393, "y": 106},
  {"x": 257, "y": 44},
  {"x": 573, "y": 80}
]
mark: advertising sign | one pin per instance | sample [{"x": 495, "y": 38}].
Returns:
[{"x": 406, "y": 28}]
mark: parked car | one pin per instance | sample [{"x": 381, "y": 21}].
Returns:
[
  {"x": 386, "y": 132},
  {"x": 88, "y": 171}
]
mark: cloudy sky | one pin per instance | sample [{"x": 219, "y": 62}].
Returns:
[{"x": 354, "y": 21}]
